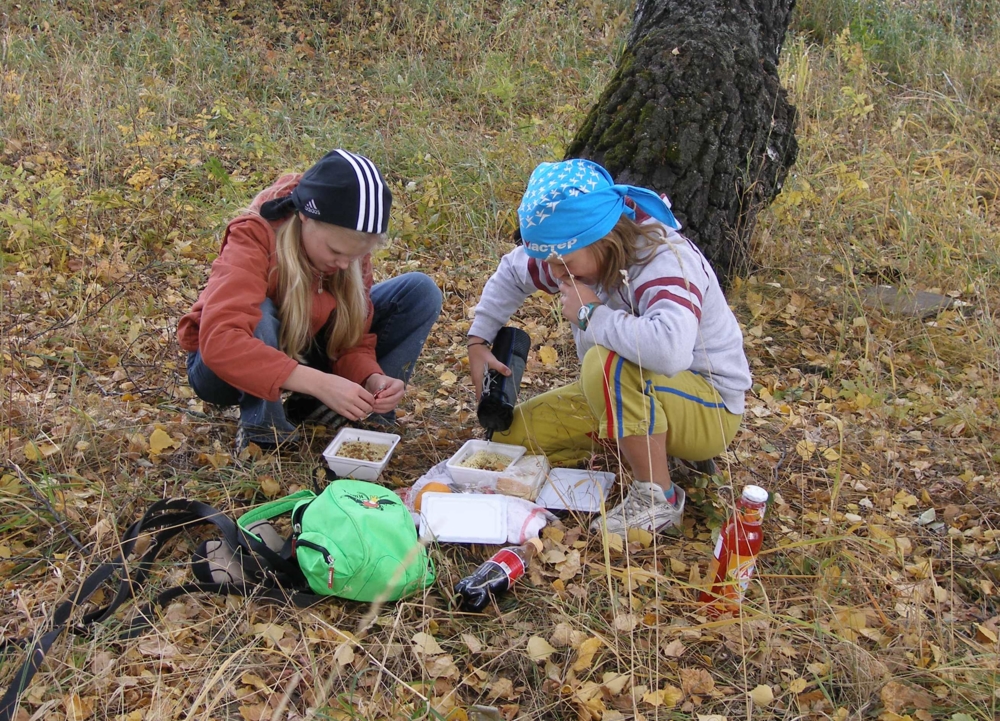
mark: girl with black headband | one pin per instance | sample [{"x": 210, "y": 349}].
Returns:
[
  {"x": 290, "y": 306},
  {"x": 662, "y": 365}
]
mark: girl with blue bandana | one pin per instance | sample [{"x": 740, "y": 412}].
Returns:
[{"x": 663, "y": 371}]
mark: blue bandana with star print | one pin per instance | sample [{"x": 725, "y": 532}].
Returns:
[{"x": 573, "y": 203}]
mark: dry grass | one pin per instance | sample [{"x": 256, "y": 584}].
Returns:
[{"x": 128, "y": 134}]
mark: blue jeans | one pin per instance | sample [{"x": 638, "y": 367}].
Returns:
[{"x": 405, "y": 309}]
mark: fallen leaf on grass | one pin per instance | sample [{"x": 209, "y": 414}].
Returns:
[
  {"x": 668, "y": 696},
  {"x": 626, "y": 622},
  {"x": 805, "y": 449},
  {"x": 256, "y": 712},
  {"x": 270, "y": 632},
  {"x": 442, "y": 667},
  {"x": 585, "y": 653},
  {"x": 641, "y": 536},
  {"x": 985, "y": 634},
  {"x": 539, "y": 649},
  {"x": 344, "y": 655},
  {"x": 899, "y": 697},
  {"x": 502, "y": 688},
  {"x": 548, "y": 355},
  {"x": 762, "y": 695},
  {"x": 472, "y": 643},
  {"x": 269, "y": 487},
  {"x": 78, "y": 709},
  {"x": 696, "y": 681},
  {"x": 37, "y": 452},
  {"x": 674, "y": 649},
  {"x": 160, "y": 440},
  {"x": 797, "y": 685},
  {"x": 424, "y": 643},
  {"x": 615, "y": 683}
]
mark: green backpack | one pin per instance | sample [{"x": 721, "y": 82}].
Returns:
[{"x": 355, "y": 540}]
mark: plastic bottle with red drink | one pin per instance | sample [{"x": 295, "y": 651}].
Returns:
[
  {"x": 494, "y": 577},
  {"x": 735, "y": 557}
]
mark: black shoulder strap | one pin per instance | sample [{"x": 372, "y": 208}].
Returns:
[{"x": 275, "y": 578}]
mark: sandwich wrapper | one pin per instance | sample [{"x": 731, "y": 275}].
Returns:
[
  {"x": 481, "y": 517},
  {"x": 472, "y": 517}
]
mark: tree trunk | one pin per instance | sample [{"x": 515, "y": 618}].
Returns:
[{"x": 696, "y": 110}]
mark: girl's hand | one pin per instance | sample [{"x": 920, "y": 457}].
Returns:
[
  {"x": 481, "y": 358},
  {"x": 387, "y": 391},
  {"x": 574, "y": 295},
  {"x": 335, "y": 392},
  {"x": 344, "y": 396}
]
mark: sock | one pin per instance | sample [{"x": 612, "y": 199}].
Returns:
[{"x": 671, "y": 495}]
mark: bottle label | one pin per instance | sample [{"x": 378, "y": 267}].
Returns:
[
  {"x": 511, "y": 564},
  {"x": 739, "y": 572}
]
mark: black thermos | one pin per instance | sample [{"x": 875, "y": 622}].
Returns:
[{"x": 496, "y": 405}]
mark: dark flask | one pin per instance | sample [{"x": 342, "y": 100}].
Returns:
[
  {"x": 496, "y": 405},
  {"x": 493, "y": 578}
]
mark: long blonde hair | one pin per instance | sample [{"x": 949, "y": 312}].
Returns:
[
  {"x": 295, "y": 296},
  {"x": 626, "y": 245}
]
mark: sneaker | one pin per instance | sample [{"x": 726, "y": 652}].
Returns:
[
  {"x": 302, "y": 408},
  {"x": 644, "y": 507}
]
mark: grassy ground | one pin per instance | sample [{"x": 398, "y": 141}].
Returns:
[{"x": 130, "y": 132}]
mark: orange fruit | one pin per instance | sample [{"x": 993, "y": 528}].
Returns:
[{"x": 432, "y": 487}]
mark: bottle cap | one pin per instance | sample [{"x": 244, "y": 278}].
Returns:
[
  {"x": 535, "y": 543},
  {"x": 754, "y": 494}
]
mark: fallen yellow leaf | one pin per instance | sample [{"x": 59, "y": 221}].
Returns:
[
  {"x": 805, "y": 449},
  {"x": 585, "y": 654},
  {"x": 548, "y": 355},
  {"x": 539, "y": 649},
  {"x": 668, "y": 696},
  {"x": 424, "y": 643},
  {"x": 160, "y": 440},
  {"x": 269, "y": 487},
  {"x": 762, "y": 695}
]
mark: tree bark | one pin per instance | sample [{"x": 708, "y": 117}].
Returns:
[{"x": 696, "y": 110}]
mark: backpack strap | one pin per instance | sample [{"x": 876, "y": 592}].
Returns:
[
  {"x": 268, "y": 511},
  {"x": 161, "y": 522}
]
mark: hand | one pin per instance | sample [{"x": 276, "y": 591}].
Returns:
[
  {"x": 574, "y": 295},
  {"x": 352, "y": 401},
  {"x": 337, "y": 393},
  {"x": 481, "y": 358},
  {"x": 387, "y": 391}
]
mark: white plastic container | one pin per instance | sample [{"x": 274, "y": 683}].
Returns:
[
  {"x": 463, "y": 518},
  {"x": 475, "y": 479},
  {"x": 353, "y": 467},
  {"x": 568, "y": 489}
]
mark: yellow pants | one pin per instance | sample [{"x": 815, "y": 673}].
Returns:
[{"x": 613, "y": 399}]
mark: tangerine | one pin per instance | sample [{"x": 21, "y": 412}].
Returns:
[{"x": 432, "y": 487}]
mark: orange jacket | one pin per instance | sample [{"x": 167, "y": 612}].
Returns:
[{"x": 222, "y": 321}]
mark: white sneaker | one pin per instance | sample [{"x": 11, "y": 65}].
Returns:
[{"x": 644, "y": 507}]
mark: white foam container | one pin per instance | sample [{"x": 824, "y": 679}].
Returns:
[
  {"x": 569, "y": 489},
  {"x": 463, "y": 518},
  {"x": 475, "y": 478},
  {"x": 353, "y": 467}
]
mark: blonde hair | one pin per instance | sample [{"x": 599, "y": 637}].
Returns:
[
  {"x": 295, "y": 295},
  {"x": 626, "y": 245}
]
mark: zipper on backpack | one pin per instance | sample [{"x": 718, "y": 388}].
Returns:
[
  {"x": 297, "y": 525},
  {"x": 326, "y": 557}
]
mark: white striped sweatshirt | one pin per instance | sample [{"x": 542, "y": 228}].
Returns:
[{"x": 671, "y": 316}]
